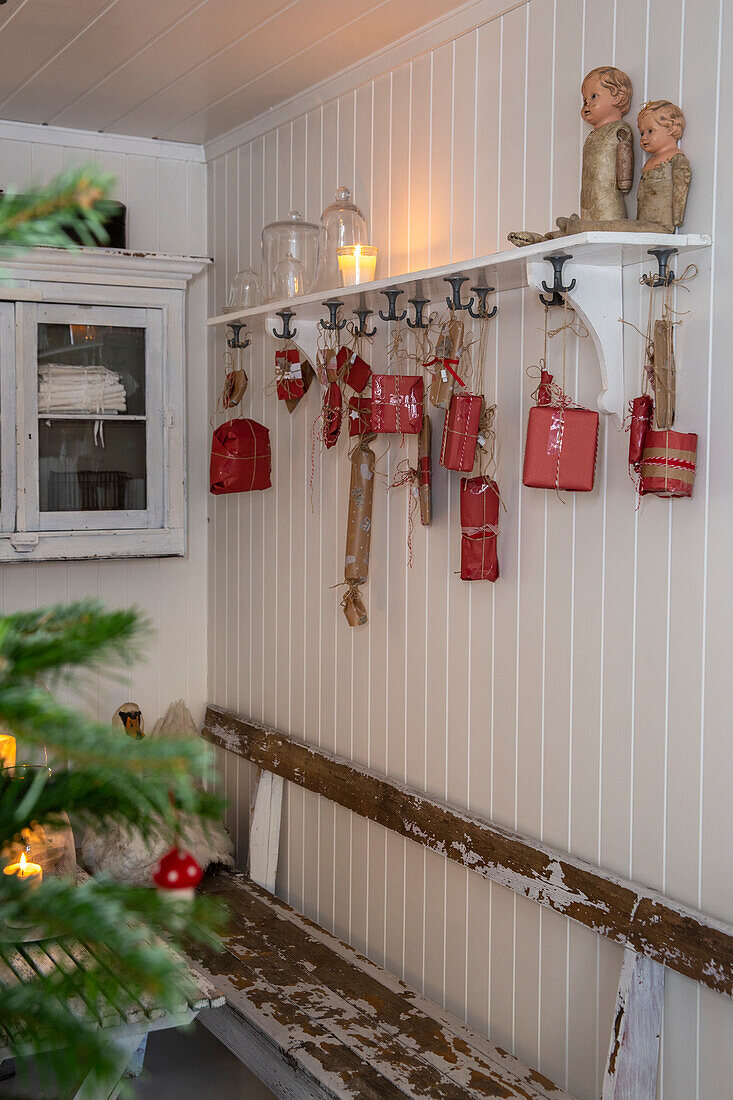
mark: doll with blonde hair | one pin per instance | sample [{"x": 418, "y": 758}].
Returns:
[
  {"x": 666, "y": 175},
  {"x": 608, "y": 154}
]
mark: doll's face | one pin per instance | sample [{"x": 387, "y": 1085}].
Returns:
[
  {"x": 599, "y": 105},
  {"x": 653, "y": 136}
]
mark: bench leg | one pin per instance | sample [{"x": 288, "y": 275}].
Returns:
[
  {"x": 633, "y": 1055},
  {"x": 135, "y": 1065},
  {"x": 105, "y": 1087},
  {"x": 264, "y": 830}
]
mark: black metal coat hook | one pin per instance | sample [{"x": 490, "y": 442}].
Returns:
[
  {"x": 482, "y": 311},
  {"x": 233, "y": 340},
  {"x": 333, "y": 324},
  {"x": 419, "y": 305},
  {"x": 457, "y": 281},
  {"x": 287, "y": 333},
  {"x": 663, "y": 277},
  {"x": 391, "y": 315},
  {"x": 362, "y": 314},
  {"x": 557, "y": 289}
]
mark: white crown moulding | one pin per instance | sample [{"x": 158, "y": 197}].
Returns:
[{"x": 592, "y": 278}]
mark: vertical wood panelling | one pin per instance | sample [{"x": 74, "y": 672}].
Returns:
[
  {"x": 582, "y": 698},
  {"x": 166, "y": 206}
]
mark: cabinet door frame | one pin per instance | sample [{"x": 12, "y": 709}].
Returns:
[
  {"x": 8, "y": 420},
  {"x": 150, "y": 319}
]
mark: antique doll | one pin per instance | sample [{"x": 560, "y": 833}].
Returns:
[
  {"x": 665, "y": 178},
  {"x": 608, "y": 155}
]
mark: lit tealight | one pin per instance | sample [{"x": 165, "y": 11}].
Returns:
[
  {"x": 357, "y": 263},
  {"x": 32, "y": 873},
  {"x": 7, "y": 750}
]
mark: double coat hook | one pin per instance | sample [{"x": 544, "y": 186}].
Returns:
[
  {"x": 287, "y": 333},
  {"x": 454, "y": 300},
  {"x": 362, "y": 314},
  {"x": 333, "y": 324},
  {"x": 663, "y": 277},
  {"x": 391, "y": 315},
  {"x": 419, "y": 305},
  {"x": 233, "y": 338},
  {"x": 557, "y": 289}
]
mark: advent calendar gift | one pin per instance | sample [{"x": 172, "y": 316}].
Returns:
[
  {"x": 292, "y": 376},
  {"x": 397, "y": 403},
  {"x": 562, "y": 442},
  {"x": 460, "y": 432},
  {"x": 479, "y": 528},
  {"x": 668, "y": 462},
  {"x": 240, "y": 457},
  {"x": 360, "y": 415},
  {"x": 352, "y": 369},
  {"x": 446, "y": 363}
]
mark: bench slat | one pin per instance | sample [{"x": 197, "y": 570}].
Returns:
[
  {"x": 685, "y": 940},
  {"x": 384, "y": 1021}
]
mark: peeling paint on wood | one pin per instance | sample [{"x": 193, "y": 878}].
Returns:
[{"x": 681, "y": 938}]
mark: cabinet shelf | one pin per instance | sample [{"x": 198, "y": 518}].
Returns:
[
  {"x": 595, "y": 265},
  {"x": 124, "y": 417}
]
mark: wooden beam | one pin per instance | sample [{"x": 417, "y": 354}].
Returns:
[
  {"x": 633, "y": 1055},
  {"x": 685, "y": 940}
]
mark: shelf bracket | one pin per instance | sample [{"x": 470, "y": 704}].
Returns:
[{"x": 596, "y": 294}]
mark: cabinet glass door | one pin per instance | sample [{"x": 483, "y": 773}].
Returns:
[
  {"x": 7, "y": 417},
  {"x": 98, "y": 418}
]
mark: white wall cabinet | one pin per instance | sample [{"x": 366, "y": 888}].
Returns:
[{"x": 92, "y": 408}]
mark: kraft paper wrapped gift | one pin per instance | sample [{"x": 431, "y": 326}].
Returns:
[
  {"x": 479, "y": 529},
  {"x": 561, "y": 448},
  {"x": 360, "y": 415},
  {"x": 397, "y": 403},
  {"x": 353, "y": 370},
  {"x": 358, "y": 529},
  {"x": 668, "y": 463},
  {"x": 460, "y": 432},
  {"x": 240, "y": 457}
]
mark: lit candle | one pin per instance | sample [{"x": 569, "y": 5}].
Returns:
[
  {"x": 357, "y": 263},
  {"x": 7, "y": 750},
  {"x": 32, "y": 873}
]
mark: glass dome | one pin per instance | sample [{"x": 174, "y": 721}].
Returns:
[
  {"x": 245, "y": 291},
  {"x": 292, "y": 238},
  {"x": 342, "y": 223}
]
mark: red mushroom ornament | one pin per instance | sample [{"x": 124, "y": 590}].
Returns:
[{"x": 177, "y": 874}]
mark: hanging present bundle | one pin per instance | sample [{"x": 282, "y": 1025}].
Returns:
[
  {"x": 360, "y": 415},
  {"x": 327, "y": 365},
  {"x": 397, "y": 403},
  {"x": 240, "y": 457},
  {"x": 641, "y": 410},
  {"x": 460, "y": 432},
  {"x": 446, "y": 362},
  {"x": 358, "y": 530},
  {"x": 352, "y": 369},
  {"x": 668, "y": 462},
  {"x": 424, "y": 472},
  {"x": 480, "y": 502},
  {"x": 562, "y": 444},
  {"x": 292, "y": 376},
  {"x": 332, "y": 412}
]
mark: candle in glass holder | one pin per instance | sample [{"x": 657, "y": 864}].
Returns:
[
  {"x": 31, "y": 873},
  {"x": 7, "y": 750},
  {"x": 357, "y": 263}
]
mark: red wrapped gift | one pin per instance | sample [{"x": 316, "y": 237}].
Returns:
[
  {"x": 240, "y": 457},
  {"x": 544, "y": 390},
  {"x": 479, "y": 527},
  {"x": 331, "y": 414},
  {"x": 354, "y": 370},
  {"x": 640, "y": 410},
  {"x": 397, "y": 403},
  {"x": 561, "y": 448},
  {"x": 668, "y": 463},
  {"x": 460, "y": 432},
  {"x": 289, "y": 374},
  {"x": 360, "y": 415}
]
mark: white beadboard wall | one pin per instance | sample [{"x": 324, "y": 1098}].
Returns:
[
  {"x": 584, "y": 698},
  {"x": 166, "y": 201}
]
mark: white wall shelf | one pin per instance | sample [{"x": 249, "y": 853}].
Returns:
[{"x": 596, "y": 263}]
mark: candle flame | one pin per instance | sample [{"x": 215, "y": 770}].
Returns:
[
  {"x": 22, "y": 863},
  {"x": 357, "y": 250}
]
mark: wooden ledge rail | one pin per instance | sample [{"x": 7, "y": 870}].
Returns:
[{"x": 681, "y": 938}]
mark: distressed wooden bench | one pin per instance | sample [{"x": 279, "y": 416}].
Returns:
[{"x": 311, "y": 1017}]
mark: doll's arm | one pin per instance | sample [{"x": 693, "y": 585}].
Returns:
[
  {"x": 681, "y": 177},
  {"x": 624, "y": 160}
]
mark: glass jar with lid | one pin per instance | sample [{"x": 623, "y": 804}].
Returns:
[
  {"x": 342, "y": 223},
  {"x": 290, "y": 241},
  {"x": 245, "y": 291}
]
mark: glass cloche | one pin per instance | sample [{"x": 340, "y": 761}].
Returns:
[
  {"x": 290, "y": 241},
  {"x": 342, "y": 223},
  {"x": 244, "y": 292}
]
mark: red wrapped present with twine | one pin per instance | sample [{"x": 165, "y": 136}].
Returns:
[
  {"x": 460, "y": 432},
  {"x": 480, "y": 502},
  {"x": 668, "y": 462},
  {"x": 289, "y": 374},
  {"x": 641, "y": 410},
  {"x": 353, "y": 370},
  {"x": 562, "y": 442},
  {"x": 240, "y": 457},
  {"x": 397, "y": 403},
  {"x": 332, "y": 412},
  {"x": 360, "y": 415}
]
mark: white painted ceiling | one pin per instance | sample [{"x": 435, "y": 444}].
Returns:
[{"x": 184, "y": 70}]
